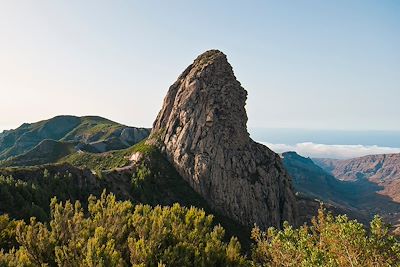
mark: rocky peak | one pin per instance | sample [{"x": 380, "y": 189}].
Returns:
[
  {"x": 203, "y": 132},
  {"x": 219, "y": 99}
]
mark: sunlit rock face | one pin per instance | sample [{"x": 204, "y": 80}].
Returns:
[{"x": 202, "y": 127}]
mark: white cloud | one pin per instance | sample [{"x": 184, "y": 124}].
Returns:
[{"x": 309, "y": 149}]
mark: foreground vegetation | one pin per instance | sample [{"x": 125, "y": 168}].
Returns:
[
  {"x": 115, "y": 233},
  {"x": 26, "y": 191},
  {"x": 81, "y": 230},
  {"x": 328, "y": 241},
  {"x": 30, "y": 197}
]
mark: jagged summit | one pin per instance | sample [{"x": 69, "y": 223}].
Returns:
[
  {"x": 202, "y": 127},
  {"x": 208, "y": 90},
  {"x": 210, "y": 56}
]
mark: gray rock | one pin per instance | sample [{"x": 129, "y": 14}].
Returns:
[
  {"x": 133, "y": 135},
  {"x": 203, "y": 132}
]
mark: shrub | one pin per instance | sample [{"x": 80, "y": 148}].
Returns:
[
  {"x": 328, "y": 241},
  {"x": 119, "y": 234}
]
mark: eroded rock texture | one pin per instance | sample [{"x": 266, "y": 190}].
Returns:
[{"x": 202, "y": 126}]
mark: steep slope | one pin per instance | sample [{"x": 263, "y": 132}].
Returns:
[
  {"x": 89, "y": 133},
  {"x": 359, "y": 193},
  {"x": 314, "y": 185},
  {"x": 311, "y": 179},
  {"x": 383, "y": 170},
  {"x": 202, "y": 129},
  {"x": 27, "y": 136},
  {"x": 45, "y": 152}
]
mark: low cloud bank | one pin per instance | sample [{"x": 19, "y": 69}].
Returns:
[{"x": 312, "y": 150}]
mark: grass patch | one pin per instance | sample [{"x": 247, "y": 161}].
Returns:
[{"x": 108, "y": 160}]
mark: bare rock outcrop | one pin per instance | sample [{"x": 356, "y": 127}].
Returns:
[{"x": 203, "y": 132}]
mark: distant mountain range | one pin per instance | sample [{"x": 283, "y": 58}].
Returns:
[
  {"x": 382, "y": 170},
  {"x": 360, "y": 187},
  {"x": 49, "y": 140}
]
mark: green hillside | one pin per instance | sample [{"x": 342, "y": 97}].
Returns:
[
  {"x": 90, "y": 133},
  {"x": 45, "y": 152}
]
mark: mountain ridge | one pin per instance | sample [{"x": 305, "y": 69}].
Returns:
[
  {"x": 89, "y": 133},
  {"x": 358, "y": 194},
  {"x": 382, "y": 169}
]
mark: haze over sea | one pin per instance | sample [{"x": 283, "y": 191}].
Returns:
[
  {"x": 340, "y": 144},
  {"x": 337, "y": 144}
]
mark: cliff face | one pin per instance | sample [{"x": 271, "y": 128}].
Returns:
[
  {"x": 383, "y": 170},
  {"x": 202, "y": 127}
]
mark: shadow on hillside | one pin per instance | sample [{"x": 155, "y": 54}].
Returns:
[{"x": 364, "y": 196}]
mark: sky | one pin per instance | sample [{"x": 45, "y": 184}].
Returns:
[{"x": 305, "y": 64}]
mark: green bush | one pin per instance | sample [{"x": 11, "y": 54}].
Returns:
[
  {"x": 119, "y": 234},
  {"x": 24, "y": 199},
  {"x": 328, "y": 241},
  {"x": 115, "y": 233},
  {"x": 7, "y": 233}
]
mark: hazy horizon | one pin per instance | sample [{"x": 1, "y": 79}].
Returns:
[
  {"x": 309, "y": 65},
  {"x": 337, "y": 144},
  {"x": 317, "y": 143}
]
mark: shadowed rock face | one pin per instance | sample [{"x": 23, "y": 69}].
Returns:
[{"x": 202, "y": 126}]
